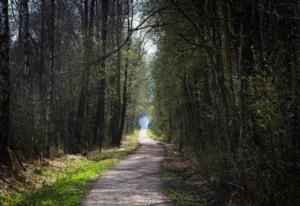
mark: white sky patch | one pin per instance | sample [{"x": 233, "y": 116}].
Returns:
[
  {"x": 144, "y": 122},
  {"x": 149, "y": 45}
]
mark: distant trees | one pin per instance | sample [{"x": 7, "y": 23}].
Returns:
[
  {"x": 69, "y": 62},
  {"x": 227, "y": 93}
]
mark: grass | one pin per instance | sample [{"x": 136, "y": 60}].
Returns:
[
  {"x": 182, "y": 185},
  {"x": 151, "y": 134},
  {"x": 179, "y": 185},
  {"x": 67, "y": 180}
]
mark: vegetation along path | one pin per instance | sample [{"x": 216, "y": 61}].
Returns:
[{"x": 136, "y": 180}]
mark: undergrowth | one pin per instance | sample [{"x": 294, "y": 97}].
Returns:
[
  {"x": 151, "y": 134},
  {"x": 183, "y": 184},
  {"x": 64, "y": 181}
]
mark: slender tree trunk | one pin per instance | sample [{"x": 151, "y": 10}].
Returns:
[
  {"x": 233, "y": 125},
  {"x": 247, "y": 64},
  {"x": 124, "y": 105},
  {"x": 27, "y": 47},
  {"x": 125, "y": 83},
  {"x": 116, "y": 113},
  {"x": 42, "y": 60},
  {"x": 228, "y": 52},
  {"x": 295, "y": 74},
  {"x": 4, "y": 83},
  {"x": 49, "y": 143},
  {"x": 87, "y": 29},
  {"x": 20, "y": 28},
  {"x": 28, "y": 73},
  {"x": 100, "y": 114}
]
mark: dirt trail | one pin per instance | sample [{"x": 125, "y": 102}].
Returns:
[{"x": 136, "y": 180}]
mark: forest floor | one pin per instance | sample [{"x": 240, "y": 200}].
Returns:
[
  {"x": 183, "y": 184},
  {"x": 136, "y": 180},
  {"x": 63, "y": 181}
]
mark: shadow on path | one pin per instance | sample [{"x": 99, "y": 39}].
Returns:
[{"x": 136, "y": 180}]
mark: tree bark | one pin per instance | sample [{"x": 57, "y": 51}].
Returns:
[
  {"x": 27, "y": 47},
  {"x": 125, "y": 83},
  {"x": 116, "y": 114},
  {"x": 100, "y": 114},
  {"x": 41, "y": 54},
  {"x": 4, "y": 84},
  {"x": 49, "y": 143}
]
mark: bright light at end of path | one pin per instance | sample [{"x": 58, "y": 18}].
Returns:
[{"x": 144, "y": 122}]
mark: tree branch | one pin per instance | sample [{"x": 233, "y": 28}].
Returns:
[
  {"x": 139, "y": 27},
  {"x": 185, "y": 15}
]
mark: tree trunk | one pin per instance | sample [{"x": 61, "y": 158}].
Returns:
[
  {"x": 41, "y": 54},
  {"x": 125, "y": 83},
  {"x": 49, "y": 143},
  {"x": 124, "y": 105},
  {"x": 4, "y": 83},
  {"x": 247, "y": 64},
  {"x": 100, "y": 114},
  {"x": 116, "y": 113},
  {"x": 87, "y": 29},
  {"x": 27, "y": 47}
]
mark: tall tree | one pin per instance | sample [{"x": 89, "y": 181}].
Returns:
[
  {"x": 116, "y": 104},
  {"x": 126, "y": 82},
  {"x": 27, "y": 47},
  {"x": 49, "y": 81},
  {"x": 4, "y": 83},
  {"x": 87, "y": 29},
  {"x": 100, "y": 113}
]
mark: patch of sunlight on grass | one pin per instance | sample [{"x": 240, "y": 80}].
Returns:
[
  {"x": 71, "y": 179},
  {"x": 151, "y": 134},
  {"x": 69, "y": 190},
  {"x": 133, "y": 137}
]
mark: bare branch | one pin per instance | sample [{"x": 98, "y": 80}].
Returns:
[{"x": 139, "y": 27}]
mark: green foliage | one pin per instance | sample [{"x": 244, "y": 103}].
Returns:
[
  {"x": 151, "y": 134},
  {"x": 266, "y": 105},
  {"x": 70, "y": 189},
  {"x": 226, "y": 94},
  {"x": 133, "y": 137},
  {"x": 72, "y": 177}
]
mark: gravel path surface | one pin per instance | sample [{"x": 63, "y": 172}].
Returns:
[{"x": 136, "y": 180}]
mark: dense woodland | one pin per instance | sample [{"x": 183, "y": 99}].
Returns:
[
  {"x": 227, "y": 93},
  {"x": 70, "y": 73},
  {"x": 224, "y": 85}
]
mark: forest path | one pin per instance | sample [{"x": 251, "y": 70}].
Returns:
[{"x": 136, "y": 180}]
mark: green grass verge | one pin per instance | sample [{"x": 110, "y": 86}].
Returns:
[
  {"x": 151, "y": 134},
  {"x": 71, "y": 179}
]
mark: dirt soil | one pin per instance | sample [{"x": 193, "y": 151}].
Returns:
[{"x": 136, "y": 180}]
